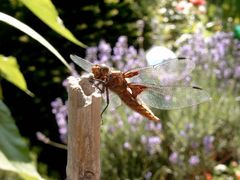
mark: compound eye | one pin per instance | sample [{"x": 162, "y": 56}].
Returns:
[
  {"x": 104, "y": 69},
  {"x": 95, "y": 69}
]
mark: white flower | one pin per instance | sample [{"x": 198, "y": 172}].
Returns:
[{"x": 220, "y": 168}]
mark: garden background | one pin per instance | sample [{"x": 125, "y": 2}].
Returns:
[{"x": 200, "y": 142}]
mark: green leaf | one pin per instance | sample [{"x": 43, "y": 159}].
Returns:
[
  {"x": 45, "y": 10},
  {"x": 237, "y": 32},
  {"x": 14, "y": 153},
  {"x": 9, "y": 70},
  {"x": 29, "y": 31}
]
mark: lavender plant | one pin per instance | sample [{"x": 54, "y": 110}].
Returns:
[
  {"x": 205, "y": 136},
  {"x": 190, "y": 142},
  {"x": 217, "y": 55},
  {"x": 59, "y": 109},
  {"x": 187, "y": 143},
  {"x": 121, "y": 56}
]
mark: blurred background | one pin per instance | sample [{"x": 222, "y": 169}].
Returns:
[{"x": 200, "y": 142}]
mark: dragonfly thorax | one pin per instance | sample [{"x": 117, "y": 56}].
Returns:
[{"x": 100, "y": 71}]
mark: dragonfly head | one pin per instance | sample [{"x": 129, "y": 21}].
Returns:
[{"x": 100, "y": 71}]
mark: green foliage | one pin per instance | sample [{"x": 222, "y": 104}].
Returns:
[
  {"x": 219, "y": 119},
  {"x": 237, "y": 32},
  {"x": 45, "y": 10},
  {"x": 10, "y": 71},
  {"x": 170, "y": 19},
  {"x": 224, "y": 11},
  {"x": 14, "y": 154},
  {"x": 29, "y": 31},
  {"x": 106, "y": 19}
]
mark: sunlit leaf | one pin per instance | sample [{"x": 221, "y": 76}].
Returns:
[
  {"x": 45, "y": 10},
  {"x": 29, "y": 31},
  {"x": 14, "y": 154},
  {"x": 9, "y": 70}
]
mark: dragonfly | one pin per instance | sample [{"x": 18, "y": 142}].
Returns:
[{"x": 157, "y": 86}]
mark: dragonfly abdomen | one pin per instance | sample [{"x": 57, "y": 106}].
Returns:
[{"x": 137, "y": 106}]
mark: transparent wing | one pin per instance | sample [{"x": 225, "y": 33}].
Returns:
[
  {"x": 86, "y": 65},
  {"x": 165, "y": 73},
  {"x": 173, "y": 97},
  {"x": 114, "y": 100}
]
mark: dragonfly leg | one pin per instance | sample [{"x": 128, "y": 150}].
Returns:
[
  {"x": 107, "y": 98},
  {"x": 97, "y": 83},
  {"x": 136, "y": 89},
  {"x": 101, "y": 89}
]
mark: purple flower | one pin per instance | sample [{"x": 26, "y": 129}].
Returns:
[
  {"x": 127, "y": 145},
  {"x": 120, "y": 49},
  {"x": 135, "y": 118},
  {"x": 194, "y": 145},
  {"x": 173, "y": 158},
  {"x": 122, "y": 40},
  {"x": 60, "y": 110},
  {"x": 111, "y": 129},
  {"x": 151, "y": 126},
  {"x": 56, "y": 103},
  {"x": 148, "y": 175},
  {"x": 189, "y": 126},
  {"x": 218, "y": 53},
  {"x": 227, "y": 73},
  {"x": 183, "y": 133},
  {"x": 154, "y": 140},
  {"x": 194, "y": 160},
  {"x": 91, "y": 54},
  {"x": 104, "y": 47},
  {"x": 153, "y": 144},
  {"x": 132, "y": 52},
  {"x": 208, "y": 142},
  {"x": 121, "y": 56},
  {"x": 118, "y": 53},
  {"x": 63, "y": 130},
  {"x": 120, "y": 124},
  {"x": 104, "y": 51},
  {"x": 158, "y": 127},
  {"x": 237, "y": 72}
]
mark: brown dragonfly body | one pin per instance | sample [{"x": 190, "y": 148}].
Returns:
[
  {"x": 116, "y": 82},
  {"x": 159, "y": 86}
]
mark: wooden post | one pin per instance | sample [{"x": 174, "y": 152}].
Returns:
[{"x": 84, "y": 120}]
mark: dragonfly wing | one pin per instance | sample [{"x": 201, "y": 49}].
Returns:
[
  {"x": 173, "y": 97},
  {"x": 86, "y": 65},
  {"x": 168, "y": 72},
  {"x": 114, "y": 100}
]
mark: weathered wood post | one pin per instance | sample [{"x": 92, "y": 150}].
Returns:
[{"x": 84, "y": 120}]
